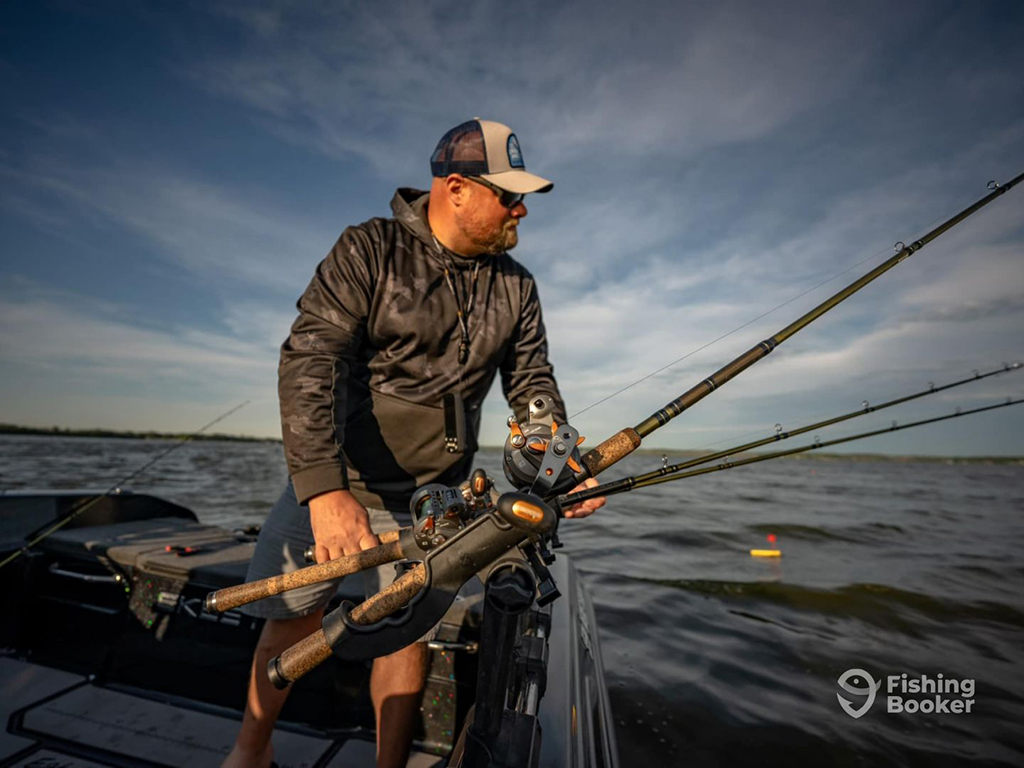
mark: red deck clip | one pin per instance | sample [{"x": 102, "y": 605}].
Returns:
[{"x": 181, "y": 551}]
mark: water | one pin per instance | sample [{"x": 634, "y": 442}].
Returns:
[{"x": 715, "y": 658}]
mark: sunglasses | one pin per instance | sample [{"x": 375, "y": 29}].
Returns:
[{"x": 508, "y": 199}]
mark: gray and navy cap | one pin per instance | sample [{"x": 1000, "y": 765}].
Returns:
[{"x": 489, "y": 150}]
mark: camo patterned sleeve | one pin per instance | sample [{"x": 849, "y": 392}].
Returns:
[
  {"x": 525, "y": 371},
  {"x": 315, "y": 363}
]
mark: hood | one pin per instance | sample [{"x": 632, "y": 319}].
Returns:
[{"x": 410, "y": 208}]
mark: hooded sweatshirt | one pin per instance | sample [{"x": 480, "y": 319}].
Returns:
[{"x": 375, "y": 348}]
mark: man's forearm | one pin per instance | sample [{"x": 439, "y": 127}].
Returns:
[{"x": 319, "y": 480}]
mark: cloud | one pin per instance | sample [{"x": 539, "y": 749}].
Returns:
[
  {"x": 53, "y": 340},
  {"x": 44, "y": 331},
  {"x": 957, "y": 305},
  {"x": 351, "y": 80},
  {"x": 210, "y": 229},
  {"x": 712, "y": 161}
]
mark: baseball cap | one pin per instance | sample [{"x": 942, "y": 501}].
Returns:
[{"x": 489, "y": 150}]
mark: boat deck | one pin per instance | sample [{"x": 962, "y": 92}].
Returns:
[
  {"x": 109, "y": 658},
  {"x": 59, "y": 719}
]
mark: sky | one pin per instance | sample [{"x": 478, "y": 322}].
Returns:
[{"x": 172, "y": 173}]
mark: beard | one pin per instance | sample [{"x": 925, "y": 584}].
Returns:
[{"x": 489, "y": 238}]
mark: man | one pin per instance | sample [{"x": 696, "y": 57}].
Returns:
[{"x": 405, "y": 318}]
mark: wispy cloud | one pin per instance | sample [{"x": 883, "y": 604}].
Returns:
[
  {"x": 349, "y": 79},
  {"x": 98, "y": 353},
  {"x": 209, "y": 229},
  {"x": 711, "y": 160}
]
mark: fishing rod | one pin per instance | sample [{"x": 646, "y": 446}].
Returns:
[
  {"x": 623, "y": 443},
  {"x": 392, "y": 548},
  {"x": 427, "y": 590},
  {"x": 627, "y": 483},
  {"x": 541, "y": 459},
  {"x": 88, "y": 504},
  {"x": 571, "y": 498}
]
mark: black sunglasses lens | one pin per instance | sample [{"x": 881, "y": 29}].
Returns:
[{"x": 506, "y": 198}]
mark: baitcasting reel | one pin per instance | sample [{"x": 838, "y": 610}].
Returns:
[
  {"x": 542, "y": 457},
  {"x": 440, "y": 511}
]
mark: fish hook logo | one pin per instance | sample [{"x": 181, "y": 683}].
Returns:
[{"x": 869, "y": 691}]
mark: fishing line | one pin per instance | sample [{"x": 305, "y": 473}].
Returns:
[
  {"x": 877, "y": 255},
  {"x": 87, "y": 504}
]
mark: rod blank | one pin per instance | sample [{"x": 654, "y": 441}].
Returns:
[
  {"x": 627, "y": 483},
  {"x": 732, "y": 369}
]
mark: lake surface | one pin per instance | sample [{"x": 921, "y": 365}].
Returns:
[{"x": 713, "y": 657}]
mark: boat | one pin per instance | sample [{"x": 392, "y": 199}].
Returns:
[{"x": 108, "y": 656}]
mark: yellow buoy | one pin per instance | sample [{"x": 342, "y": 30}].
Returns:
[{"x": 773, "y": 552}]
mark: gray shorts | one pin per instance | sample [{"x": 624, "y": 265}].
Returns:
[{"x": 281, "y": 548}]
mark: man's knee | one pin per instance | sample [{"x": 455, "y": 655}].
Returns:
[
  {"x": 412, "y": 653},
  {"x": 403, "y": 671},
  {"x": 286, "y": 632}
]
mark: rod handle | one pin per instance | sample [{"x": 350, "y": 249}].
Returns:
[
  {"x": 394, "y": 596},
  {"x": 314, "y": 650},
  {"x": 383, "y": 538},
  {"x": 612, "y": 450},
  {"x": 298, "y": 660},
  {"x": 232, "y": 597}
]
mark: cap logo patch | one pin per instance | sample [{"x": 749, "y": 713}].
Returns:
[{"x": 515, "y": 155}]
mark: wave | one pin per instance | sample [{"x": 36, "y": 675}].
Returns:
[{"x": 873, "y": 603}]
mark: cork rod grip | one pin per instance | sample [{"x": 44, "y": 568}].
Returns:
[
  {"x": 299, "y": 659},
  {"x": 391, "y": 598},
  {"x": 232, "y": 597},
  {"x": 314, "y": 650},
  {"x": 612, "y": 450}
]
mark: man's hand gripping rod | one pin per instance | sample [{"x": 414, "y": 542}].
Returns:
[
  {"x": 447, "y": 504},
  {"x": 394, "y": 545}
]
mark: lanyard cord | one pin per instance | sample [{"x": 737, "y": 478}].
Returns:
[{"x": 463, "y": 315}]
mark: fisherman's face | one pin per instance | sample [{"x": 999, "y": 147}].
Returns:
[{"x": 487, "y": 223}]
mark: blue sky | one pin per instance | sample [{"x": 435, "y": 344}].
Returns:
[{"x": 172, "y": 174}]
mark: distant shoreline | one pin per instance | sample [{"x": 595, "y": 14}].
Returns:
[
  {"x": 823, "y": 456},
  {"x": 15, "y": 429},
  {"x": 672, "y": 453}
]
